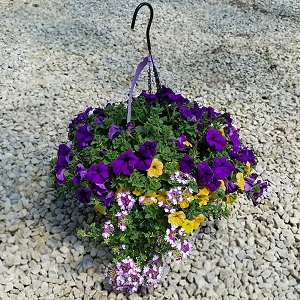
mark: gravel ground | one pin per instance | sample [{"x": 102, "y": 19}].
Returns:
[{"x": 60, "y": 57}]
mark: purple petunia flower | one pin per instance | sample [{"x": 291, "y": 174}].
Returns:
[
  {"x": 98, "y": 173},
  {"x": 177, "y": 99},
  {"x": 234, "y": 139},
  {"x": 59, "y": 173},
  {"x": 222, "y": 167},
  {"x": 215, "y": 138},
  {"x": 144, "y": 162},
  {"x": 148, "y": 149},
  {"x": 63, "y": 154},
  {"x": 114, "y": 131},
  {"x": 108, "y": 198},
  {"x": 247, "y": 155},
  {"x": 179, "y": 141},
  {"x": 78, "y": 119},
  {"x": 249, "y": 182},
  {"x": 196, "y": 111},
  {"x": 84, "y": 194},
  {"x": 214, "y": 184},
  {"x": 88, "y": 110},
  {"x": 100, "y": 111},
  {"x": 205, "y": 173},
  {"x": 125, "y": 163},
  {"x": 186, "y": 113},
  {"x": 230, "y": 187},
  {"x": 211, "y": 114},
  {"x": 99, "y": 120},
  {"x": 85, "y": 135},
  {"x": 130, "y": 127},
  {"x": 99, "y": 189},
  {"x": 263, "y": 186},
  {"x": 233, "y": 154},
  {"x": 186, "y": 164},
  {"x": 81, "y": 172}
]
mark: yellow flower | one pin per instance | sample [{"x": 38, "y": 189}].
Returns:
[
  {"x": 188, "y": 225},
  {"x": 138, "y": 191},
  {"x": 230, "y": 199},
  {"x": 198, "y": 220},
  {"x": 100, "y": 209},
  {"x": 222, "y": 130},
  {"x": 177, "y": 218},
  {"x": 184, "y": 203},
  {"x": 186, "y": 200},
  {"x": 151, "y": 198},
  {"x": 203, "y": 195},
  {"x": 248, "y": 168},
  {"x": 161, "y": 196},
  {"x": 187, "y": 143},
  {"x": 156, "y": 168},
  {"x": 222, "y": 186},
  {"x": 240, "y": 180}
]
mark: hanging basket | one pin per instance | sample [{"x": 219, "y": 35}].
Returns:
[{"x": 156, "y": 174}]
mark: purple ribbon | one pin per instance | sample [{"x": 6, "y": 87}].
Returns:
[{"x": 139, "y": 69}]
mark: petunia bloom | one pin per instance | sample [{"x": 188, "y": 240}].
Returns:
[
  {"x": 99, "y": 120},
  {"x": 156, "y": 168},
  {"x": 186, "y": 164},
  {"x": 247, "y": 156},
  {"x": 114, "y": 131},
  {"x": 230, "y": 187},
  {"x": 144, "y": 162},
  {"x": 215, "y": 138},
  {"x": 124, "y": 163},
  {"x": 198, "y": 220},
  {"x": 179, "y": 141},
  {"x": 85, "y": 135},
  {"x": 84, "y": 194},
  {"x": 59, "y": 173},
  {"x": 80, "y": 174},
  {"x": 222, "y": 168},
  {"x": 205, "y": 173},
  {"x": 98, "y": 173},
  {"x": 177, "y": 218},
  {"x": 148, "y": 148},
  {"x": 63, "y": 154},
  {"x": 188, "y": 225}
]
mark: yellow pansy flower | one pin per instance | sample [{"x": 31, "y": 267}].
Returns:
[
  {"x": 156, "y": 168},
  {"x": 138, "y": 191},
  {"x": 222, "y": 130},
  {"x": 188, "y": 225},
  {"x": 100, "y": 209},
  {"x": 198, "y": 220},
  {"x": 187, "y": 143},
  {"x": 177, "y": 218},
  {"x": 248, "y": 168},
  {"x": 240, "y": 180},
  {"x": 222, "y": 186}
]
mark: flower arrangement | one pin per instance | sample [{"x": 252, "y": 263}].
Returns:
[{"x": 155, "y": 179}]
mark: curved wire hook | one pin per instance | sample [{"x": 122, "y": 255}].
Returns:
[{"x": 149, "y": 23}]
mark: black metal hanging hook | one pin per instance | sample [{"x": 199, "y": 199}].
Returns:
[{"x": 149, "y": 23}]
